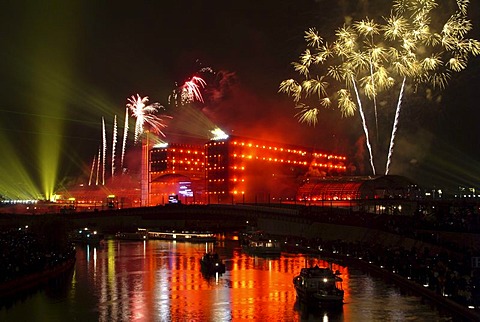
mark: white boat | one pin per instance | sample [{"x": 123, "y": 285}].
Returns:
[
  {"x": 141, "y": 234},
  {"x": 86, "y": 236},
  {"x": 319, "y": 286},
  {"x": 262, "y": 246},
  {"x": 183, "y": 236}
]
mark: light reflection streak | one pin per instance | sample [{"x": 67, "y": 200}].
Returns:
[{"x": 157, "y": 280}]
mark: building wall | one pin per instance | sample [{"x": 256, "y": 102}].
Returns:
[
  {"x": 251, "y": 170},
  {"x": 177, "y": 169}
]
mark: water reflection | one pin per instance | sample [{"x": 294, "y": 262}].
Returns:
[{"x": 162, "y": 281}]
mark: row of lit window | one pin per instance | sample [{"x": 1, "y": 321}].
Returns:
[
  {"x": 215, "y": 143},
  {"x": 187, "y": 169},
  {"x": 320, "y": 165},
  {"x": 216, "y": 180},
  {"x": 215, "y": 168},
  {"x": 187, "y": 151},
  {"x": 328, "y": 198},
  {"x": 271, "y": 159},
  {"x": 235, "y": 192},
  {"x": 329, "y": 156},
  {"x": 270, "y": 148},
  {"x": 187, "y": 162}
]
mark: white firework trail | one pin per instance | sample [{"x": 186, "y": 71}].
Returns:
[
  {"x": 364, "y": 123},
  {"x": 191, "y": 89},
  {"x": 145, "y": 115},
  {"x": 98, "y": 165},
  {"x": 92, "y": 170},
  {"x": 395, "y": 126},
  {"x": 114, "y": 144},
  {"x": 104, "y": 156},
  {"x": 125, "y": 133},
  {"x": 374, "y": 99}
]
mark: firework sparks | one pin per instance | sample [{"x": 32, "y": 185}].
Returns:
[
  {"x": 395, "y": 126},
  {"x": 145, "y": 115},
  {"x": 369, "y": 58},
  {"x": 92, "y": 170},
  {"x": 104, "y": 154},
  {"x": 189, "y": 92},
  {"x": 191, "y": 89},
  {"x": 98, "y": 165},
  {"x": 218, "y": 134},
  {"x": 114, "y": 144},
  {"x": 124, "y": 143}
]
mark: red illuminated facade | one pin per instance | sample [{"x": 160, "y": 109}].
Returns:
[
  {"x": 241, "y": 169},
  {"x": 177, "y": 169},
  {"x": 231, "y": 170},
  {"x": 354, "y": 188}
]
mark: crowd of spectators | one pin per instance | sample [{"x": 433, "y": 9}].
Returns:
[
  {"x": 447, "y": 268},
  {"x": 23, "y": 252}
]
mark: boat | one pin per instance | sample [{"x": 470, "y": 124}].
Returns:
[
  {"x": 319, "y": 286},
  {"x": 140, "y": 234},
  {"x": 211, "y": 264},
  {"x": 262, "y": 245},
  {"x": 86, "y": 236},
  {"x": 183, "y": 236}
]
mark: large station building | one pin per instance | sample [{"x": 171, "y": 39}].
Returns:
[
  {"x": 233, "y": 170},
  {"x": 237, "y": 170}
]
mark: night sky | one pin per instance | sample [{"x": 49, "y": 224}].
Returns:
[{"x": 67, "y": 64}]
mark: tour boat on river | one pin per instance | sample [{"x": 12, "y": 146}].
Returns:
[
  {"x": 319, "y": 286},
  {"x": 183, "y": 236},
  {"x": 86, "y": 236},
  {"x": 140, "y": 234},
  {"x": 262, "y": 246}
]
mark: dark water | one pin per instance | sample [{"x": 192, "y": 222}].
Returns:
[{"x": 161, "y": 281}]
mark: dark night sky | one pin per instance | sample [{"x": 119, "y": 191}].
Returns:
[{"x": 67, "y": 64}]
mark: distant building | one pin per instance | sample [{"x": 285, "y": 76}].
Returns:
[{"x": 356, "y": 187}]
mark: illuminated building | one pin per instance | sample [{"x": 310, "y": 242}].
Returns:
[
  {"x": 250, "y": 170},
  {"x": 177, "y": 169},
  {"x": 228, "y": 170},
  {"x": 353, "y": 188}
]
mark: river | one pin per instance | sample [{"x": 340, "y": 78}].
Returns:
[{"x": 161, "y": 281}]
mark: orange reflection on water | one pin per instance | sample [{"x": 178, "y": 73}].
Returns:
[{"x": 162, "y": 281}]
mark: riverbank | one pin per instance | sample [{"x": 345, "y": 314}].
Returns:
[
  {"x": 440, "y": 281},
  {"x": 405, "y": 283},
  {"x": 20, "y": 285}
]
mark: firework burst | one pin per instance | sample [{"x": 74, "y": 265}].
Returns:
[
  {"x": 145, "y": 115},
  {"x": 370, "y": 57},
  {"x": 189, "y": 92}
]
